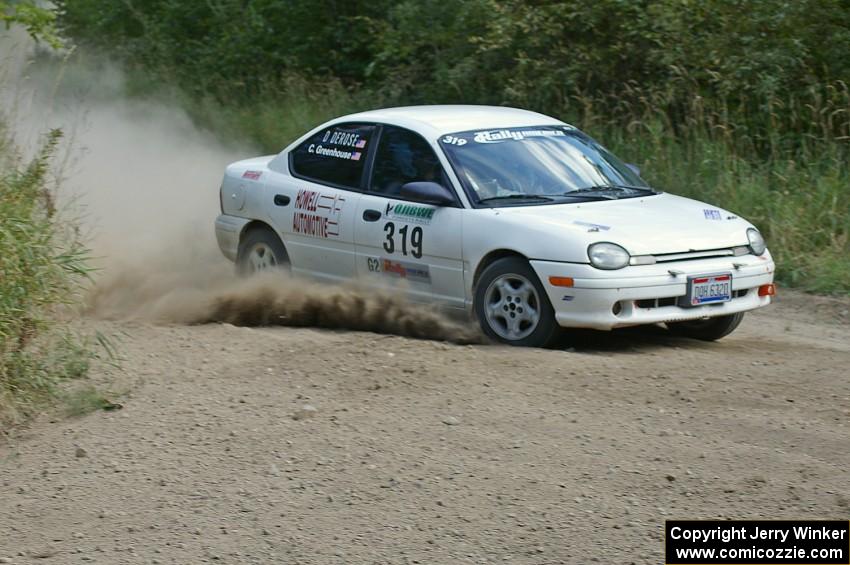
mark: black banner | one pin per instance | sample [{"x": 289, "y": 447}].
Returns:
[{"x": 757, "y": 542}]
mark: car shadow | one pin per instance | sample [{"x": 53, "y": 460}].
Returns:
[{"x": 638, "y": 339}]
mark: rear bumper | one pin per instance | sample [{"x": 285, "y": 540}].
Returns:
[
  {"x": 228, "y": 230},
  {"x": 596, "y": 294}
]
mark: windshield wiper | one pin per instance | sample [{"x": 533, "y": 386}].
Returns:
[
  {"x": 611, "y": 188},
  {"x": 585, "y": 193},
  {"x": 533, "y": 197}
]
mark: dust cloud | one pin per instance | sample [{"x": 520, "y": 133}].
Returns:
[
  {"x": 142, "y": 180},
  {"x": 270, "y": 299}
]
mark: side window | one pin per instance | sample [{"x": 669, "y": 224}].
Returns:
[
  {"x": 335, "y": 155},
  {"x": 403, "y": 157}
]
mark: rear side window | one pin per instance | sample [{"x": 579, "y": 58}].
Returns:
[{"x": 335, "y": 155}]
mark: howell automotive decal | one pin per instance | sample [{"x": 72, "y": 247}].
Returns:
[
  {"x": 402, "y": 269},
  {"x": 317, "y": 214},
  {"x": 252, "y": 175},
  {"x": 410, "y": 213}
]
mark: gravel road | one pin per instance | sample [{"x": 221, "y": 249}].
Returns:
[{"x": 284, "y": 445}]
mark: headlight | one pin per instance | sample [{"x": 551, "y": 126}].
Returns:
[
  {"x": 757, "y": 245},
  {"x": 607, "y": 256}
]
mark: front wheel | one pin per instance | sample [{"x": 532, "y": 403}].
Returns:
[
  {"x": 512, "y": 306},
  {"x": 261, "y": 250},
  {"x": 708, "y": 329}
]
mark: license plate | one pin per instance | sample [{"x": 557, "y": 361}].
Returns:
[{"x": 709, "y": 289}]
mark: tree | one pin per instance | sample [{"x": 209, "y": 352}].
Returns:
[{"x": 39, "y": 22}]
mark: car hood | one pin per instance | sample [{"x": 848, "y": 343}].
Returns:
[{"x": 662, "y": 223}]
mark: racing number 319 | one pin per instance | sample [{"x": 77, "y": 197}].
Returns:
[{"x": 415, "y": 239}]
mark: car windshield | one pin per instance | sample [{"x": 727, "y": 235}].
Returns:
[{"x": 538, "y": 165}]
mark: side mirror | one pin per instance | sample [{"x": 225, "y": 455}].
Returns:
[
  {"x": 633, "y": 168},
  {"x": 428, "y": 193}
]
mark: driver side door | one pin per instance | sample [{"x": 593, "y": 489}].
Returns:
[{"x": 403, "y": 243}]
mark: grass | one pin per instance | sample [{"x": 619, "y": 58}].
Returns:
[
  {"x": 282, "y": 112},
  {"x": 798, "y": 198},
  {"x": 85, "y": 400},
  {"x": 42, "y": 266}
]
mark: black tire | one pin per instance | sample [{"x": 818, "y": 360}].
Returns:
[
  {"x": 506, "y": 314},
  {"x": 260, "y": 250},
  {"x": 709, "y": 329}
]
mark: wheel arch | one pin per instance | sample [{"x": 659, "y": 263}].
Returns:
[
  {"x": 257, "y": 225},
  {"x": 490, "y": 258},
  {"x": 260, "y": 225}
]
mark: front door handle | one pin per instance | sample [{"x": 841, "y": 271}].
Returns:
[
  {"x": 371, "y": 215},
  {"x": 281, "y": 200}
]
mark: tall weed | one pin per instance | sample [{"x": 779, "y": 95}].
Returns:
[{"x": 42, "y": 264}]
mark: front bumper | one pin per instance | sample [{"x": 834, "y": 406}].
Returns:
[{"x": 644, "y": 294}]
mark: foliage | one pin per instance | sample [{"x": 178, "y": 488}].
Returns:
[
  {"x": 41, "y": 266},
  {"x": 39, "y": 22},
  {"x": 531, "y": 54},
  {"x": 86, "y": 399}
]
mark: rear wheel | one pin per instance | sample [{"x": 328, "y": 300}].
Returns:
[
  {"x": 261, "y": 250},
  {"x": 708, "y": 329},
  {"x": 512, "y": 306}
]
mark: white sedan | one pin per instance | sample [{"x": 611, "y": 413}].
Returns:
[{"x": 513, "y": 215}]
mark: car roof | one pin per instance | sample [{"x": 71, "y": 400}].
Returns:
[{"x": 434, "y": 121}]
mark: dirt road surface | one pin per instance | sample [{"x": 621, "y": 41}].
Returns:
[{"x": 412, "y": 451}]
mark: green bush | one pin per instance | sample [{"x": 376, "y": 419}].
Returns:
[
  {"x": 538, "y": 55},
  {"x": 41, "y": 266}
]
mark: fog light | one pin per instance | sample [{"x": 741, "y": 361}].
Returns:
[
  {"x": 617, "y": 308},
  {"x": 767, "y": 290}
]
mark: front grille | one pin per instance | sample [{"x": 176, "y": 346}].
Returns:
[
  {"x": 673, "y": 300},
  {"x": 693, "y": 255},
  {"x": 656, "y": 302},
  {"x": 689, "y": 255}
]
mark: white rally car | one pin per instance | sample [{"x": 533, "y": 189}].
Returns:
[{"x": 513, "y": 215}]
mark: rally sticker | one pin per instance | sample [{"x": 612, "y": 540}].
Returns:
[
  {"x": 317, "y": 214},
  {"x": 498, "y": 136},
  {"x": 402, "y": 269}
]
